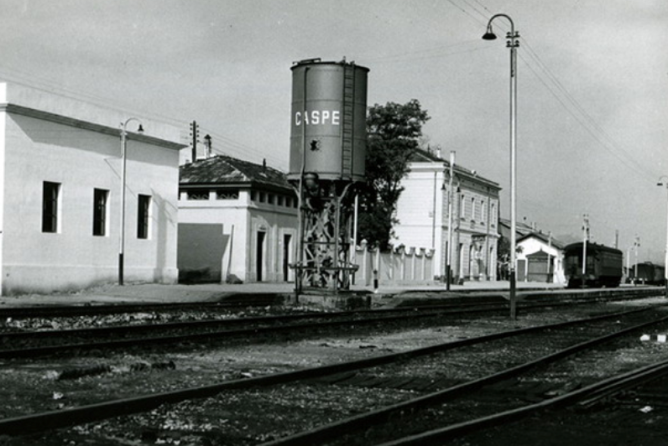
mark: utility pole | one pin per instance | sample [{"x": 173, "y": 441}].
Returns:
[
  {"x": 663, "y": 181},
  {"x": 636, "y": 244},
  {"x": 448, "y": 271},
  {"x": 585, "y": 229},
  {"x": 194, "y": 133},
  {"x": 549, "y": 248}
]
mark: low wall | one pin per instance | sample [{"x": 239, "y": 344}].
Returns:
[{"x": 399, "y": 266}]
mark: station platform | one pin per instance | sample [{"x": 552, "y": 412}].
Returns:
[{"x": 156, "y": 293}]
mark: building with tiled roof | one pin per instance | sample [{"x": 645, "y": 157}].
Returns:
[
  {"x": 237, "y": 222},
  {"x": 422, "y": 211}
]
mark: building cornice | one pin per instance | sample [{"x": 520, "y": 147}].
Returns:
[
  {"x": 255, "y": 185},
  {"x": 85, "y": 125},
  {"x": 443, "y": 167}
]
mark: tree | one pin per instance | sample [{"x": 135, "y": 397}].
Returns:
[{"x": 393, "y": 132}]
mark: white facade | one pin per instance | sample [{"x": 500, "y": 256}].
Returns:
[
  {"x": 259, "y": 237},
  {"x": 237, "y": 222},
  {"x": 422, "y": 212},
  {"x": 76, "y": 146},
  {"x": 534, "y": 243}
]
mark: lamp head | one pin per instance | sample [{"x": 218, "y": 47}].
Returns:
[
  {"x": 489, "y": 35},
  {"x": 140, "y": 129}
]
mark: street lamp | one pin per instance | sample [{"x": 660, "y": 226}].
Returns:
[
  {"x": 124, "y": 144},
  {"x": 512, "y": 43},
  {"x": 663, "y": 181}
]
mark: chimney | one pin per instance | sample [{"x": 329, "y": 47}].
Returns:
[{"x": 438, "y": 152}]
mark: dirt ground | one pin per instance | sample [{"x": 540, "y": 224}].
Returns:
[{"x": 32, "y": 386}]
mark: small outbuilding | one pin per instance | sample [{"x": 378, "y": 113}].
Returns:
[
  {"x": 237, "y": 222},
  {"x": 540, "y": 258}
]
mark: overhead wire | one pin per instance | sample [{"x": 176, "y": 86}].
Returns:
[
  {"x": 563, "y": 96},
  {"x": 37, "y": 82},
  {"x": 435, "y": 52},
  {"x": 601, "y": 135}
]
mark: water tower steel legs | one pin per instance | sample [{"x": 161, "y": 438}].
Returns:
[{"x": 326, "y": 219}]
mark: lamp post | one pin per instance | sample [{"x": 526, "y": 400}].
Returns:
[
  {"x": 512, "y": 43},
  {"x": 451, "y": 196},
  {"x": 663, "y": 181},
  {"x": 585, "y": 238},
  {"x": 636, "y": 244},
  {"x": 124, "y": 146}
]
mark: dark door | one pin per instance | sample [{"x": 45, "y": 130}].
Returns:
[
  {"x": 259, "y": 255},
  {"x": 287, "y": 238}
]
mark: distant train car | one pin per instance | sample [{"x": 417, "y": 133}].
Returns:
[
  {"x": 648, "y": 273},
  {"x": 659, "y": 275},
  {"x": 603, "y": 265}
]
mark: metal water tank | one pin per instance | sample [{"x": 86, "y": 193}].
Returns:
[{"x": 328, "y": 131}]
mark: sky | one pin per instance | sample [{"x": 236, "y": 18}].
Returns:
[{"x": 592, "y": 85}]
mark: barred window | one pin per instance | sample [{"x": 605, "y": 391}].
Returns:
[
  {"x": 100, "y": 203},
  {"x": 198, "y": 195},
  {"x": 227, "y": 194},
  {"x": 143, "y": 216},
  {"x": 50, "y": 202}
]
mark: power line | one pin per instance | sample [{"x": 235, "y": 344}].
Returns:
[
  {"x": 477, "y": 19},
  {"x": 48, "y": 86},
  {"x": 438, "y": 51},
  {"x": 580, "y": 114},
  {"x": 572, "y": 106}
]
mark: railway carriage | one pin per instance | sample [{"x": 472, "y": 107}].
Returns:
[
  {"x": 648, "y": 273},
  {"x": 603, "y": 265}
]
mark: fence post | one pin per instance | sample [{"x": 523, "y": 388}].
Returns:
[
  {"x": 376, "y": 271},
  {"x": 364, "y": 263},
  {"x": 423, "y": 253}
]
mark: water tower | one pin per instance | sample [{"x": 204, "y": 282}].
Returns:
[{"x": 327, "y": 151}]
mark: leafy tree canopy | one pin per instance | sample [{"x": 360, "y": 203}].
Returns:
[{"x": 393, "y": 132}]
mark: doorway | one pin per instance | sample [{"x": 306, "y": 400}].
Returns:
[
  {"x": 259, "y": 255},
  {"x": 287, "y": 241}
]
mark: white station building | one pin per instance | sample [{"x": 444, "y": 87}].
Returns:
[
  {"x": 422, "y": 211},
  {"x": 60, "y": 184}
]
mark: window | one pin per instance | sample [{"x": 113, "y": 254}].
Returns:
[
  {"x": 254, "y": 195},
  {"x": 227, "y": 194},
  {"x": 280, "y": 199},
  {"x": 482, "y": 210},
  {"x": 263, "y": 197},
  {"x": 270, "y": 198},
  {"x": 473, "y": 209},
  {"x": 100, "y": 200},
  {"x": 50, "y": 201},
  {"x": 143, "y": 216},
  {"x": 198, "y": 195}
]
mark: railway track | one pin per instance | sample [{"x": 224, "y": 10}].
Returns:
[
  {"x": 60, "y": 341},
  {"x": 577, "y": 331},
  {"x": 27, "y": 344},
  {"x": 61, "y": 311}
]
